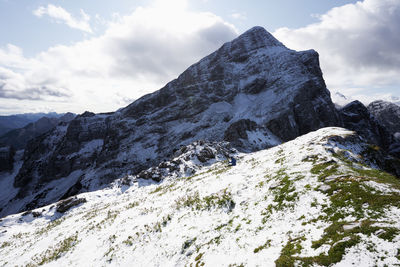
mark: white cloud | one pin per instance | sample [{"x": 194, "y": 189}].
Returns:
[
  {"x": 63, "y": 16},
  {"x": 359, "y": 46},
  {"x": 136, "y": 55}
]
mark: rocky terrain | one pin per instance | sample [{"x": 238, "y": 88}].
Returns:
[
  {"x": 253, "y": 92},
  {"x": 388, "y": 114},
  {"x": 6, "y": 158},
  {"x": 319, "y": 200},
  {"x": 357, "y": 117}
]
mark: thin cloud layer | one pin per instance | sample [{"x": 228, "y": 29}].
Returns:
[
  {"x": 63, "y": 16},
  {"x": 136, "y": 55},
  {"x": 359, "y": 45}
]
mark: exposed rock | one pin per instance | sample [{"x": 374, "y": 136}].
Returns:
[
  {"x": 6, "y": 158},
  {"x": 35, "y": 214},
  {"x": 205, "y": 154},
  {"x": 388, "y": 115},
  {"x": 371, "y": 155},
  {"x": 238, "y": 130},
  {"x": 68, "y": 203},
  {"x": 185, "y": 159},
  {"x": 356, "y": 117},
  {"x": 73, "y": 190}
]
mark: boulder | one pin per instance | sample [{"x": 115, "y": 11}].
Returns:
[{"x": 68, "y": 203}]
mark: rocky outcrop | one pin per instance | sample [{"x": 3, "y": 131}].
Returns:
[
  {"x": 6, "y": 158},
  {"x": 188, "y": 159},
  {"x": 68, "y": 203},
  {"x": 369, "y": 154},
  {"x": 388, "y": 115},
  {"x": 253, "y": 91},
  {"x": 356, "y": 117}
]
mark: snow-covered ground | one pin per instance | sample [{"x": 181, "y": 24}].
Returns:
[{"x": 310, "y": 201}]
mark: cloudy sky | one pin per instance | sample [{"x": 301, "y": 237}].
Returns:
[{"x": 101, "y": 55}]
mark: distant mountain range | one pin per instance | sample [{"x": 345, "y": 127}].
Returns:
[
  {"x": 10, "y": 122},
  {"x": 341, "y": 100},
  {"x": 19, "y": 138}
]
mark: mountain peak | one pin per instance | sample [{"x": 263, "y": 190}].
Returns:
[
  {"x": 252, "y": 92},
  {"x": 260, "y": 37}
]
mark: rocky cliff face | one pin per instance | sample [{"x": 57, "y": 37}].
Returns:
[
  {"x": 6, "y": 158},
  {"x": 356, "y": 117},
  {"x": 388, "y": 115},
  {"x": 253, "y": 92}
]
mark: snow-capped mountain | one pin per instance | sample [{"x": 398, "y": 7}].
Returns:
[
  {"x": 253, "y": 92},
  {"x": 341, "y": 100},
  {"x": 319, "y": 200}
]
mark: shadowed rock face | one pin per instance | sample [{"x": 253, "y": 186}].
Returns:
[
  {"x": 356, "y": 117},
  {"x": 388, "y": 115},
  {"x": 252, "y": 91},
  {"x": 6, "y": 158}
]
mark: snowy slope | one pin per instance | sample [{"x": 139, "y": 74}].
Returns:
[{"x": 313, "y": 200}]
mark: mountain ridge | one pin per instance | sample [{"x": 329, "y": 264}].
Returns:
[{"x": 253, "y": 91}]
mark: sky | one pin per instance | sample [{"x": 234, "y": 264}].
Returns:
[{"x": 102, "y": 55}]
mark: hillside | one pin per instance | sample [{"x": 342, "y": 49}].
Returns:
[
  {"x": 252, "y": 92},
  {"x": 316, "y": 200}
]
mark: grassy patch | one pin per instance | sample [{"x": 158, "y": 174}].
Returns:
[
  {"x": 350, "y": 196},
  {"x": 325, "y": 169},
  {"x": 128, "y": 241},
  {"x": 50, "y": 226},
  {"x": 311, "y": 158},
  {"x": 132, "y": 205},
  {"x": 162, "y": 189},
  {"x": 222, "y": 199},
  {"x": 337, "y": 239},
  {"x": 5, "y": 244},
  {"x": 57, "y": 251},
  {"x": 280, "y": 160},
  {"x": 284, "y": 194},
  {"x": 286, "y": 258},
  {"x": 264, "y": 246}
]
